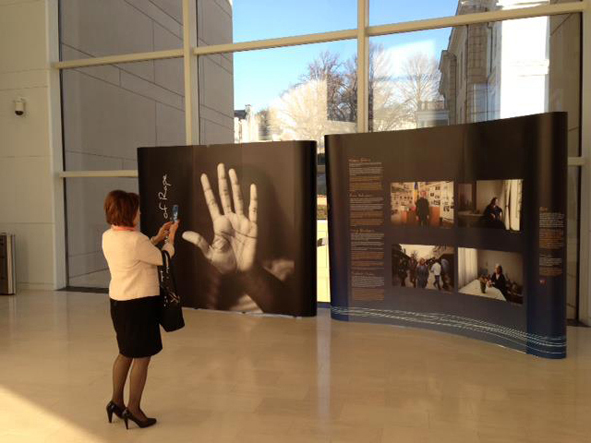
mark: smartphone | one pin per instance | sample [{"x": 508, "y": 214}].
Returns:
[{"x": 175, "y": 213}]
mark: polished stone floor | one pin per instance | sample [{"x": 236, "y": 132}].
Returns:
[{"x": 238, "y": 378}]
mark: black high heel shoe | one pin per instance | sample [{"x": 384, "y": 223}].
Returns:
[
  {"x": 142, "y": 424},
  {"x": 112, "y": 408}
]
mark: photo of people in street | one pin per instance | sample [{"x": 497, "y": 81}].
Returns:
[
  {"x": 423, "y": 267},
  {"x": 494, "y": 204},
  {"x": 491, "y": 274},
  {"x": 427, "y": 204}
]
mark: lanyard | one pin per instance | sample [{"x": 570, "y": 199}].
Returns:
[{"x": 122, "y": 228}]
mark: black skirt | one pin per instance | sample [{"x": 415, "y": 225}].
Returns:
[{"x": 137, "y": 327}]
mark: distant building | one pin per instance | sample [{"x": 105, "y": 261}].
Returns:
[
  {"x": 246, "y": 128},
  {"x": 495, "y": 70},
  {"x": 431, "y": 113}
]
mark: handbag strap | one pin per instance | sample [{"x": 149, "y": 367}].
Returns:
[{"x": 166, "y": 261}]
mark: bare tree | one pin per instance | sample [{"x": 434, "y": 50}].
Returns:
[
  {"x": 385, "y": 111},
  {"x": 301, "y": 111},
  {"x": 419, "y": 82},
  {"x": 328, "y": 67},
  {"x": 324, "y": 100},
  {"x": 264, "y": 123}
]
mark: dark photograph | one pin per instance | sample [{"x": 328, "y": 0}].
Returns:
[
  {"x": 423, "y": 267},
  {"x": 494, "y": 204},
  {"x": 492, "y": 274},
  {"x": 246, "y": 224},
  {"x": 428, "y": 204}
]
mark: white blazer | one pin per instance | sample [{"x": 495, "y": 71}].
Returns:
[{"x": 133, "y": 261}]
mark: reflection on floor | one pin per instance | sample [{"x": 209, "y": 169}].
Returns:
[
  {"x": 239, "y": 378},
  {"x": 98, "y": 279}
]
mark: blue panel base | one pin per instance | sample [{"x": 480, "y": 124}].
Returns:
[{"x": 546, "y": 347}]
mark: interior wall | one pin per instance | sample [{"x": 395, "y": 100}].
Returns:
[
  {"x": 565, "y": 56},
  {"x": 110, "y": 111},
  {"x": 30, "y": 192},
  {"x": 216, "y": 73}
]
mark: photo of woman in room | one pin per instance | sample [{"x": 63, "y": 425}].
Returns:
[
  {"x": 425, "y": 267},
  {"x": 493, "y": 216},
  {"x": 492, "y": 204},
  {"x": 484, "y": 273},
  {"x": 497, "y": 280}
]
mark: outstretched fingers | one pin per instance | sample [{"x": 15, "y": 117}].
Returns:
[
  {"x": 212, "y": 205},
  {"x": 224, "y": 191},
  {"x": 253, "y": 207},
  {"x": 199, "y": 241},
  {"x": 237, "y": 193}
]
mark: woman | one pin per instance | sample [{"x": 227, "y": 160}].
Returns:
[
  {"x": 133, "y": 259},
  {"x": 492, "y": 216},
  {"x": 422, "y": 273},
  {"x": 412, "y": 270},
  {"x": 498, "y": 280}
]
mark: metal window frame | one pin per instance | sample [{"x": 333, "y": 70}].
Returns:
[{"x": 190, "y": 54}]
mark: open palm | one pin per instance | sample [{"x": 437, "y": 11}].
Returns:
[{"x": 235, "y": 235}]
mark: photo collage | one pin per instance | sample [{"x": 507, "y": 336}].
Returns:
[{"x": 484, "y": 205}]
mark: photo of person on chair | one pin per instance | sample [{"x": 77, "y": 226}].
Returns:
[
  {"x": 491, "y": 204},
  {"x": 498, "y": 280},
  {"x": 493, "y": 216},
  {"x": 492, "y": 274}
]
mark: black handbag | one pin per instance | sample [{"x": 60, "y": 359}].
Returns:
[{"x": 171, "y": 313}]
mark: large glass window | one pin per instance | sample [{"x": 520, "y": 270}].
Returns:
[
  {"x": 97, "y": 28},
  {"x": 87, "y": 267},
  {"x": 297, "y": 93},
  {"x": 216, "y": 99},
  {"x": 382, "y": 12},
  {"x": 466, "y": 74},
  {"x": 263, "y": 19},
  {"x": 110, "y": 111},
  {"x": 477, "y": 73},
  {"x": 484, "y": 72}
]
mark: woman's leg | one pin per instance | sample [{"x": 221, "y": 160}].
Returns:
[
  {"x": 139, "y": 374},
  {"x": 120, "y": 371}
]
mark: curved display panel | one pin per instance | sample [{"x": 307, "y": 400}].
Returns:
[{"x": 458, "y": 229}]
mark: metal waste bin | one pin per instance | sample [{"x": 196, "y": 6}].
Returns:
[{"x": 7, "y": 264}]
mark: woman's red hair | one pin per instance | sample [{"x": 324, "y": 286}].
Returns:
[{"x": 121, "y": 208}]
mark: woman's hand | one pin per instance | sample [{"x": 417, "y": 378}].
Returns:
[
  {"x": 172, "y": 231},
  {"x": 163, "y": 232}
]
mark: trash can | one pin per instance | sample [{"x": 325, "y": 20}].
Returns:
[{"x": 7, "y": 264}]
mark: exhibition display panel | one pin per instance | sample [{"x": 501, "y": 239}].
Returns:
[
  {"x": 247, "y": 235},
  {"x": 458, "y": 229}
]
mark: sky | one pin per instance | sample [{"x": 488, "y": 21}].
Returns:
[{"x": 261, "y": 76}]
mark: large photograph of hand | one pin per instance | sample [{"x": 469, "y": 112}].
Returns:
[
  {"x": 235, "y": 234},
  {"x": 248, "y": 224}
]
